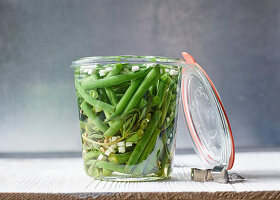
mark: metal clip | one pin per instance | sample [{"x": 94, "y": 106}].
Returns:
[
  {"x": 235, "y": 178},
  {"x": 200, "y": 175},
  {"x": 218, "y": 174}
]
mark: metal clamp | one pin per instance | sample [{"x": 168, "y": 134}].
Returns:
[{"x": 218, "y": 174}]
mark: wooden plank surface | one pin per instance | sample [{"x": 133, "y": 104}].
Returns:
[
  {"x": 263, "y": 195},
  {"x": 66, "y": 176}
]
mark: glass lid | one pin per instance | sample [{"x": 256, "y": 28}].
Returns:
[{"x": 206, "y": 117}]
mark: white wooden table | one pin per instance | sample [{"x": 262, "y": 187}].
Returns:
[{"x": 61, "y": 178}]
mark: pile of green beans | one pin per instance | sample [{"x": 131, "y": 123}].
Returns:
[{"x": 127, "y": 118}]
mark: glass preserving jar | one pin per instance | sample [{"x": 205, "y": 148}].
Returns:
[{"x": 128, "y": 109}]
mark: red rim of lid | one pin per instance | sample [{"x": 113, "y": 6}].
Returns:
[{"x": 190, "y": 60}]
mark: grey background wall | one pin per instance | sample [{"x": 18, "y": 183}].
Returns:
[{"x": 237, "y": 42}]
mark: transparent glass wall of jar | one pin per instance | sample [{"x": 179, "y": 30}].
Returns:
[{"x": 128, "y": 113}]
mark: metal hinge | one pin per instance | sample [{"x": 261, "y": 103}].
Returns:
[{"x": 218, "y": 174}]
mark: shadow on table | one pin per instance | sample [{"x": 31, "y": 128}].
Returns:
[
  {"x": 261, "y": 174},
  {"x": 184, "y": 175}
]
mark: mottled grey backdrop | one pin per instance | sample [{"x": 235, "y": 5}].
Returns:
[{"x": 237, "y": 42}]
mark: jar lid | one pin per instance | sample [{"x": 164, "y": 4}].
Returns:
[{"x": 205, "y": 117}]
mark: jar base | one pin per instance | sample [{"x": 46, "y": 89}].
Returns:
[{"x": 131, "y": 179}]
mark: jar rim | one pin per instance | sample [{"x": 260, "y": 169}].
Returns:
[{"x": 85, "y": 61}]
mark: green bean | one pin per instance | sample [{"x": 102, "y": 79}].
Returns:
[
  {"x": 121, "y": 88},
  {"x": 144, "y": 124},
  {"x": 119, "y": 96},
  {"x": 143, "y": 142},
  {"x": 79, "y": 98},
  {"x": 95, "y": 172},
  {"x": 150, "y": 146},
  {"x": 109, "y": 91},
  {"x": 151, "y": 143},
  {"x": 171, "y": 118},
  {"x": 133, "y": 138},
  {"x": 140, "y": 132},
  {"x": 153, "y": 158},
  {"x": 148, "y": 151},
  {"x": 116, "y": 70},
  {"x": 95, "y": 119},
  {"x": 114, "y": 128},
  {"x": 83, "y": 124},
  {"x": 90, "y": 162},
  {"x": 165, "y": 78},
  {"x": 153, "y": 89},
  {"x": 103, "y": 96},
  {"x": 91, "y": 155},
  {"x": 106, "y": 172},
  {"x": 93, "y": 77},
  {"x": 149, "y": 116},
  {"x": 147, "y": 82},
  {"x": 166, "y": 157},
  {"x": 174, "y": 88},
  {"x": 98, "y": 136},
  {"x": 93, "y": 94},
  {"x": 172, "y": 105},
  {"x": 113, "y": 80},
  {"x": 96, "y": 103},
  {"x": 102, "y": 93},
  {"x": 165, "y": 109},
  {"x": 162, "y": 87},
  {"x": 126, "y": 97},
  {"x": 112, "y": 96},
  {"x": 142, "y": 104},
  {"x": 110, "y": 166},
  {"x": 170, "y": 81},
  {"x": 119, "y": 158},
  {"x": 155, "y": 101}
]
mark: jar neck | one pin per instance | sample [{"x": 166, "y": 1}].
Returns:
[{"x": 133, "y": 59}]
